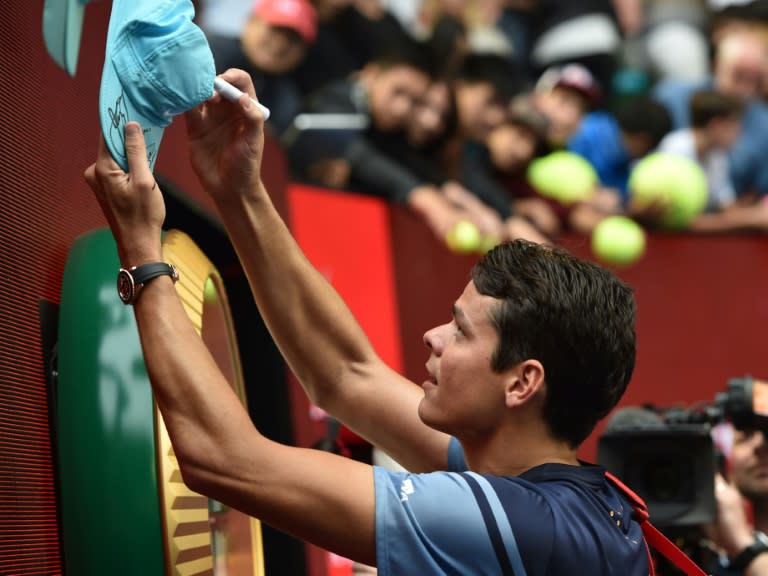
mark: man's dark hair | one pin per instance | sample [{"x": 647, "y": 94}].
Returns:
[
  {"x": 643, "y": 115},
  {"x": 707, "y": 105},
  {"x": 499, "y": 71},
  {"x": 445, "y": 45},
  {"x": 571, "y": 315},
  {"x": 404, "y": 51}
]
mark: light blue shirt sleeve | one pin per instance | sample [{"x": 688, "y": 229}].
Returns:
[
  {"x": 430, "y": 524},
  {"x": 456, "y": 461}
]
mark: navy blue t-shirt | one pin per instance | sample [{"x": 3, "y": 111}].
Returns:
[{"x": 554, "y": 520}]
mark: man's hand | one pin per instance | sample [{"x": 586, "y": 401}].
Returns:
[
  {"x": 131, "y": 201},
  {"x": 731, "y": 531},
  {"x": 227, "y": 140},
  {"x": 540, "y": 213}
]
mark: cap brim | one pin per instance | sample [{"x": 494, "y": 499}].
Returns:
[
  {"x": 115, "y": 111},
  {"x": 62, "y": 30}
]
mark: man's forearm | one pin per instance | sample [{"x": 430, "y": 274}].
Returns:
[{"x": 310, "y": 323}]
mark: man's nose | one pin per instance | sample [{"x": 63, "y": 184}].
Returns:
[{"x": 433, "y": 341}]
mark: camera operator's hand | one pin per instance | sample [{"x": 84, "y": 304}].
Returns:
[{"x": 731, "y": 531}]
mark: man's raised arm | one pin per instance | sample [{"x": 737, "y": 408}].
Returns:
[
  {"x": 315, "y": 331},
  {"x": 319, "y": 497}
]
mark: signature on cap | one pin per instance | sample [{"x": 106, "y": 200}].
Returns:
[{"x": 118, "y": 118}]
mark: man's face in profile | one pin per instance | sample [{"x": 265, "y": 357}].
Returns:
[{"x": 749, "y": 463}]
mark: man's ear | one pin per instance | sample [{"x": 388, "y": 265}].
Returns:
[{"x": 525, "y": 382}]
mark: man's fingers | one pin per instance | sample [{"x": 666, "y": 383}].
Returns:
[
  {"x": 240, "y": 79},
  {"x": 136, "y": 152},
  {"x": 255, "y": 125}
]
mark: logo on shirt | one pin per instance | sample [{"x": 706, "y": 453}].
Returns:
[{"x": 406, "y": 489}]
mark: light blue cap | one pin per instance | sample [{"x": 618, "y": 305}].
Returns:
[
  {"x": 158, "y": 64},
  {"x": 62, "y": 29}
]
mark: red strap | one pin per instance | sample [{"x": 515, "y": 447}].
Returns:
[
  {"x": 668, "y": 549},
  {"x": 654, "y": 538}
]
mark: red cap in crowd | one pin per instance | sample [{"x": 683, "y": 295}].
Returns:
[
  {"x": 297, "y": 15},
  {"x": 573, "y": 76}
]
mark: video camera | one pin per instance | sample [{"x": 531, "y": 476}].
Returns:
[{"x": 668, "y": 456}]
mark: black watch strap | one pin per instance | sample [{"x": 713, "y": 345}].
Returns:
[
  {"x": 745, "y": 557},
  {"x": 130, "y": 281},
  {"x": 146, "y": 272}
]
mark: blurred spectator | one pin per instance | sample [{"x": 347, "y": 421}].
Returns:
[
  {"x": 496, "y": 169},
  {"x": 745, "y": 483},
  {"x": 385, "y": 93},
  {"x": 272, "y": 44},
  {"x": 564, "y": 94},
  {"x": 350, "y": 33},
  {"x": 613, "y": 143},
  {"x": 433, "y": 122},
  {"x": 483, "y": 92},
  {"x": 739, "y": 72},
  {"x": 582, "y": 31},
  {"x": 715, "y": 127}
]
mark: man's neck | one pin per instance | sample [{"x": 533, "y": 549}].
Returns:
[{"x": 512, "y": 453}]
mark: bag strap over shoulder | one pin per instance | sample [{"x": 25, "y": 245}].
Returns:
[{"x": 653, "y": 537}]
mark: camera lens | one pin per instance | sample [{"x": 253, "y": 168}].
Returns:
[{"x": 663, "y": 481}]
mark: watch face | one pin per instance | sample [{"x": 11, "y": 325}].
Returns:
[{"x": 125, "y": 286}]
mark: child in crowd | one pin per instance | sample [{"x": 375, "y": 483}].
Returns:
[
  {"x": 716, "y": 123},
  {"x": 715, "y": 127},
  {"x": 564, "y": 95}
]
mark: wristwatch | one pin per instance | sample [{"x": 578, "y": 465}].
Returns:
[
  {"x": 129, "y": 281},
  {"x": 745, "y": 557}
]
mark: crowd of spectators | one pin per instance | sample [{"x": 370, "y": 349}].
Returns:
[{"x": 442, "y": 105}]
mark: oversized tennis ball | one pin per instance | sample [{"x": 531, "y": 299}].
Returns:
[
  {"x": 679, "y": 184},
  {"x": 464, "y": 237},
  {"x": 564, "y": 176},
  {"x": 618, "y": 240}
]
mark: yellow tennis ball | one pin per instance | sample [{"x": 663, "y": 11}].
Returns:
[
  {"x": 464, "y": 237},
  {"x": 676, "y": 182},
  {"x": 564, "y": 176},
  {"x": 618, "y": 240}
]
